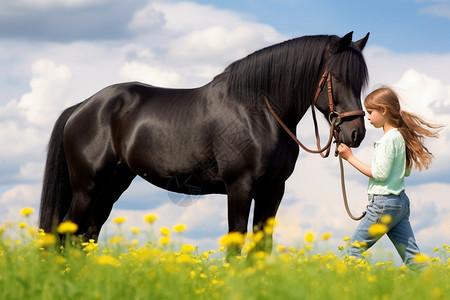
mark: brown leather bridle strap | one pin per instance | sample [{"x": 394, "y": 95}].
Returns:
[
  {"x": 292, "y": 135},
  {"x": 326, "y": 78}
]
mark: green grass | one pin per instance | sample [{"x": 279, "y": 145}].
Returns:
[{"x": 159, "y": 270}]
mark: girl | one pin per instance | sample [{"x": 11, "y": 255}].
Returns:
[{"x": 399, "y": 150}]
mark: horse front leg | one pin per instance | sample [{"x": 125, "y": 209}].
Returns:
[
  {"x": 267, "y": 200},
  {"x": 239, "y": 203}
]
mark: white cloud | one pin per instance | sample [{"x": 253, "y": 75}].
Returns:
[
  {"x": 48, "y": 87},
  {"x": 424, "y": 94},
  {"x": 141, "y": 72},
  {"x": 16, "y": 198},
  {"x": 440, "y": 10}
]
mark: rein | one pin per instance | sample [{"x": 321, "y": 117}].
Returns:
[{"x": 335, "y": 119}]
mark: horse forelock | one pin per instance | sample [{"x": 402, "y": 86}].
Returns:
[{"x": 349, "y": 66}]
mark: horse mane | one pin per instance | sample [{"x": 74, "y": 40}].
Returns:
[{"x": 290, "y": 71}]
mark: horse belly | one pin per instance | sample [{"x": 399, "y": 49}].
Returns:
[{"x": 180, "y": 164}]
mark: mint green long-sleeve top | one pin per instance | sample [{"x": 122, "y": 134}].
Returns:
[{"x": 388, "y": 165}]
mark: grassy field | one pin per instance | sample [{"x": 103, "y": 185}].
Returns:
[{"x": 34, "y": 266}]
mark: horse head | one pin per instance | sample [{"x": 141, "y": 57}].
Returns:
[{"x": 346, "y": 74}]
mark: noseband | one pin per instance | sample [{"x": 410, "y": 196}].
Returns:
[{"x": 334, "y": 117}]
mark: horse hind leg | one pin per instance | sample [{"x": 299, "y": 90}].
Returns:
[{"x": 112, "y": 190}]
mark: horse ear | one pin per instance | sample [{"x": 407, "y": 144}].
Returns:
[
  {"x": 343, "y": 43},
  {"x": 362, "y": 42}
]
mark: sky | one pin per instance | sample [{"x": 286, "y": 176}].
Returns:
[{"x": 59, "y": 52}]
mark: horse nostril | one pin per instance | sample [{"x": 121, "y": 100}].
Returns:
[{"x": 354, "y": 136}]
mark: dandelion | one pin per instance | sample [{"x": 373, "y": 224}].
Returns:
[
  {"x": 386, "y": 219},
  {"x": 187, "y": 248},
  {"x": 135, "y": 230},
  {"x": 421, "y": 258},
  {"x": 67, "y": 227},
  {"x": 26, "y": 211},
  {"x": 119, "y": 220},
  {"x": 115, "y": 240},
  {"x": 377, "y": 229},
  {"x": 232, "y": 239},
  {"x": 257, "y": 236},
  {"x": 281, "y": 248},
  {"x": 355, "y": 244},
  {"x": 107, "y": 260},
  {"x": 179, "y": 228},
  {"x": 164, "y": 240},
  {"x": 23, "y": 225},
  {"x": 150, "y": 218},
  {"x": 326, "y": 236},
  {"x": 271, "y": 222},
  {"x": 309, "y": 237},
  {"x": 46, "y": 239},
  {"x": 164, "y": 231},
  {"x": 89, "y": 246}
]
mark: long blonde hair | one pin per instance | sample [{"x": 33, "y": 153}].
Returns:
[{"x": 413, "y": 128}]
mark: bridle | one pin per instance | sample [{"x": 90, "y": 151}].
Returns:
[{"x": 335, "y": 119}]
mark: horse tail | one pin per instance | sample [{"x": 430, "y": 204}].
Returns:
[{"x": 56, "y": 189}]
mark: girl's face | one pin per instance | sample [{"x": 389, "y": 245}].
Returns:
[{"x": 376, "y": 117}]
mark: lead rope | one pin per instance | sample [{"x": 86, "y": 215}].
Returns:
[{"x": 344, "y": 194}]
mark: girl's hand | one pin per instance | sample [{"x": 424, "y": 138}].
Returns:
[{"x": 344, "y": 151}]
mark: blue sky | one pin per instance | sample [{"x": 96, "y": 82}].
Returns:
[
  {"x": 400, "y": 25},
  {"x": 59, "y": 52}
]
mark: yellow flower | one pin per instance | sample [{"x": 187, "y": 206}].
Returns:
[
  {"x": 150, "y": 218},
  {"x": 107, "y": 260},
  {"x": 164, "y": 240},
  {"x": 436, "y": 249},
  {"x": 271, "y": 222},
  {"x": 346, "y": 239},
  {"x": 326, "y": 236},
  {"x": 119, "y": 220},
  {"x": 46, "y": 239},
  {"x": 179, "y": 228},
  {"x": 309, "y": 237},
  {"x": 355, "y": 244},
  {"x": 268, "y": 229},
  {"x": 377, "y": 229},
  {"x": 232, "y": 239},
  {"x": 115, "y": 240},
  {"x": 23, "y": 225},
  {"x": 187, "y": 248},
  {"x": 386, "y": 219},
  {"x": 26, "y": 211},
  {"x": 281, "y": 248},
  {"x": 135, "y": 230},
  {"x": 164, "y": 231},
  {"x": 90, "y": 246},
  {"x": 67, "y": 227},
  {"x": 257, "y": 236},
  {"x": 421, "y": 258}
]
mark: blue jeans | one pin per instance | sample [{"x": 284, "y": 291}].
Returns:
[{"x": 399, "y": 229}]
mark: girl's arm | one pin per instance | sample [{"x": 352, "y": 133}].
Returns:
[{"x": 346, "y": 153}]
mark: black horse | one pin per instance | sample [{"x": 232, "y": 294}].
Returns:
[{"x": 220, "y": 138}]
